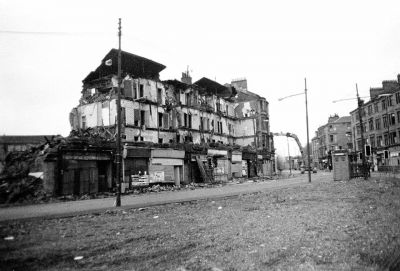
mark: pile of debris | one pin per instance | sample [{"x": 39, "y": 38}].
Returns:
[
  {"x": 93, "y": 135},
  {"x": 21, "y": 179}
]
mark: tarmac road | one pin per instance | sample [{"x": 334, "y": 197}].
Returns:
[{"x": 70, "y": 208}]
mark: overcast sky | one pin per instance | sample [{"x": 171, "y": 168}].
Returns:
[{"x": 48, "y": 47}]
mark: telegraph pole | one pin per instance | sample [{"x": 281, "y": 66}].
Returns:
[
  {"x": 364, "y": 166},
  {"x": 118, "y": 154},
  {"x": 308, "y": 137}
]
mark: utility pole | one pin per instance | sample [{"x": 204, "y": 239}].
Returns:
[
  {"x": 308, "y": 137},
  {"x": 288, "y": 150},
  {"x": 364, "y": 166},
  {"x": 118, "y": 154}
]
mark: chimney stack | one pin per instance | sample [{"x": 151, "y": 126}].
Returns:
[
  {"x": 186, "y": 78},
  {"x": 240, "y": 84}
]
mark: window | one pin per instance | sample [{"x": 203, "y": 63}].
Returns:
[
  {"x": 160, "y": 140},
  {"x": 185, "y": 120},
  {"x": 331, "y": 138},
  {"x": 385, "y": 121},
  {"x": 370, "y": 109},
  {"x": 166, "y": 120},
  {"x": 160, "y": 120},
  {"x": 390, "y": 102},
  {"x": 136, "y": 117},
  {"x": 386, "y": 139},
  {"x": 383, "y": 104},
  {"x": 358, "y": 129},
  {"x": 377, "y": 124},
  {"x": 141, "y": 90},
  {"x": 187, "y": 98},
  {"x": 392, "y": 138},
  {"x": 398, "y": 116},
  {"x": 226, "y": 107},
  {"x": 392, "y": 119},
  {"x": 371, "y": 124},
  {"x": 159, "y": 95},
  {"x": 201, "y": 124},
  {"x": 372, "y": 141},
  {"x": 376, "y": 108},
  {"x": 190, "y": 120},
  {"x": 142, "y": 117},
  {"x": 398, "y": 97},
  {"x": 83, "y": 122},
  {"x": 137, "y": 138},
  {"x": 379, "y": 141}
]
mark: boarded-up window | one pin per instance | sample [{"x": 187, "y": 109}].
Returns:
[
  {"x": 128, "y": 89},
  {"x": 159, "y": 96},
  {"x": 165, "y": 120},
  {"x": 179, "y": 118},
  {"x": 173, "y": 119}
]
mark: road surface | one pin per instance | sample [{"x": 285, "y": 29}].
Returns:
[{"x": 62, "y": 209}]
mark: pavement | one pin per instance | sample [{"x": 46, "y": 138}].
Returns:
[{"x": 71, "y": 208}]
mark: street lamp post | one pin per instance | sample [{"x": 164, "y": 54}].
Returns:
[{"x": 308, "y": 138}]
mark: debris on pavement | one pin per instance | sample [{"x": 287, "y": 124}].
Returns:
[{"x": 78, "y": 258}]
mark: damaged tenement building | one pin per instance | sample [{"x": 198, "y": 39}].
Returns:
[{"x": 172, "y": 131}]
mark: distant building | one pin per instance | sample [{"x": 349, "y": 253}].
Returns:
[
  {"x": 334, "y": 135},
  {"x": 381, "y": 123}
]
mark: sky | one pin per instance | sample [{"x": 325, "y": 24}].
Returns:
[{"x": 48, "y": 47}]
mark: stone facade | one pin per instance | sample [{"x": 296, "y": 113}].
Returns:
[
  {"x": 381, "y": 123},
  {"x": 336, "y": 134}
]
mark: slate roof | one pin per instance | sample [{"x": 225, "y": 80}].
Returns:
[{"x": 132, "y": 64}]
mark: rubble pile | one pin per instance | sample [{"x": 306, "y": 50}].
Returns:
[
  {"x": 16, "y": 182},
  {"x": 93, "y": 135}
]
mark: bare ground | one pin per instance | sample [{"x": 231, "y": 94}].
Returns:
[{"x": 319, "y": 226}]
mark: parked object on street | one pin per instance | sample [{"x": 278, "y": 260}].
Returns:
[{"x": 304, "y": 169}]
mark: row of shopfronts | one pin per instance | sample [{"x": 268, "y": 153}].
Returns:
[{"x": 91, "y": 170}]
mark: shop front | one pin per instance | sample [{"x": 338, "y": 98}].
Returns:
[{"x": 166, "y": 166}]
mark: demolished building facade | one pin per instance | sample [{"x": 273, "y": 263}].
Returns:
[{"x": 172, "y": 131}]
